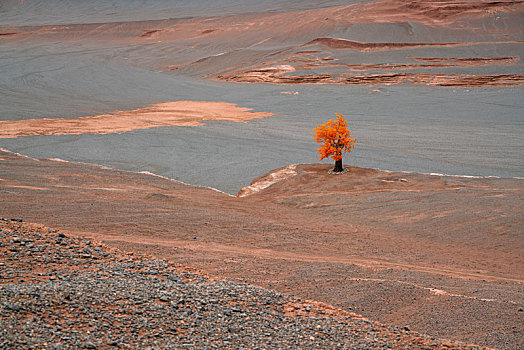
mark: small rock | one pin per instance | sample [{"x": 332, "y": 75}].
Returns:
[
  {"x": 13, "y": 307},
  {"x": 90, "y": 345}
]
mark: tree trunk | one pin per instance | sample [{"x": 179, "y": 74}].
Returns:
[{"x": 338, "y": 166}]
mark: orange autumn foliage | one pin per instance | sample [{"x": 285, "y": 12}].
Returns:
[{"x": 336, "y": 138}]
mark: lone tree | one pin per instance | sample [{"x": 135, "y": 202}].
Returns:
[{"x": 336, "y": 139}]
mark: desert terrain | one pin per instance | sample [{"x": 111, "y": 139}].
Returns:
[
  {"x": 440, "y": 255},
  {"x": 179, "y": 134},
  {"x": 84, "y": 294}
]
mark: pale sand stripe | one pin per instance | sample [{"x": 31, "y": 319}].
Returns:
[{"x": 177, "y": 113}]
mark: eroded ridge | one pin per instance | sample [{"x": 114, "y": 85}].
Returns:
[
  {"x": 340, "y": 39},
  {"x": 299, "y": 66}
]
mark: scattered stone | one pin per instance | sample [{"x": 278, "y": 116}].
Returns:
[
  {"x": 13, "y": 307},
  {"x": 50, "y": 300},
  {"x": 90, "y": 345},
  {"x": 331, "y": 172}
]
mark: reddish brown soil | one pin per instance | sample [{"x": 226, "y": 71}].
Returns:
[
  {"x": 438, "y": 13},
  {"x": 443, "y": 255},
  {"x": 343, "y": 44},
  {"x": 274, "y": 75},
  {"x": 469, "y": 61},
  {"x": 84, "y": 274},
  {"x": 441, "y": 13},
  {"x": 278, "y": 72}
]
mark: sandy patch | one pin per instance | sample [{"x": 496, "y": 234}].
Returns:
[{"x": 177, "y": 113}]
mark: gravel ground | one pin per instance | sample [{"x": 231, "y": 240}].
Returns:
[{"x": 63, "y": 292}]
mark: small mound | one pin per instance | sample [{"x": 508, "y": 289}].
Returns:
[{"x": 267, "y": 180}]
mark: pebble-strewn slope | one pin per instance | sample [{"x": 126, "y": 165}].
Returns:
[{"x": 60, "y": 292}]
